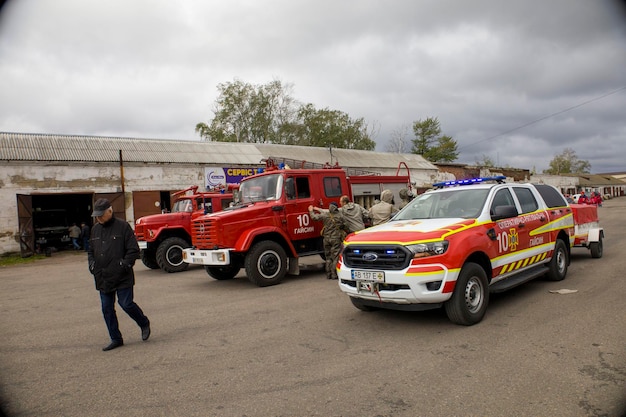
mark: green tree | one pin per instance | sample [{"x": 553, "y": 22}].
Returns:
[
  {"x": 567, "y": 162},
  {"x": 431, "y": 144},
  {"x": 268, "y": 114},
  {"x": 250, "y": 113},
  {"x": 327, "y": 127},
  {"x": 444, "y": 151}
]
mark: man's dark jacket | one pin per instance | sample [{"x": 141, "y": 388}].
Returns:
[{"x": 113, "y": 250}]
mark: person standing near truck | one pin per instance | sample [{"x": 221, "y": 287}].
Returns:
[
  {"x": 333, "y": 232},
  {"x": 112, "y": 254},
  {"x": 75, "y": 235},
  {"x": 85, "y": 231},
  {"x": 354, "y": 215},
  {"x": 382, "y": 211}
]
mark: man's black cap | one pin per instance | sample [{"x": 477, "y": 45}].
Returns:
[{"x": 101, "y": 205}]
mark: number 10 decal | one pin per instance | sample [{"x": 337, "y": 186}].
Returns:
[
  {"x": 303, "y": 220},
  {"x": 508, "y": 240}
]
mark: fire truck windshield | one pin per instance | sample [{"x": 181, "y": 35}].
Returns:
[
  {"x": 459, "y": 202},
  {"x": 182, "y": 206},
  {"x": 264, "y": 188}
]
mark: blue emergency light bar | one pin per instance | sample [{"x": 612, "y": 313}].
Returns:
[{"x": 469, "y": 181}]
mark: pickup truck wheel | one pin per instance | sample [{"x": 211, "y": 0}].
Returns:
[
  {"x": 596, "y": 248},
  {"x": 222, "y": 272},
  {"x": 470, "y": 297},
  {"x": 266, "y": 263},
  {"x": 558, "y": 264},
  {"x": 359, "y": 304},
  {"x": 169, "y": 255},
  {"x": 149, "y": 259}
]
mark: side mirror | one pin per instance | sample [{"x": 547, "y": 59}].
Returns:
[{"x": 504, "y": 212}]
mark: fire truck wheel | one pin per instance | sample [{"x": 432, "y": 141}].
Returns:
[
  {"x": 470, "y": 297},
  {"x": 222, "y": 272},
  {"x": 169, "y": 255},
  {"x": 266, "y": 263},
  {"x": 359, "y": 304},
  {"x": 558, "y": 264},
  {"x": 596, "y": 248},
  {"x": 149, "y": 259}
]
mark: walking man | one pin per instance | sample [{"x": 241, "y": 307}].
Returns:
[{"x": 112, "y": 254}]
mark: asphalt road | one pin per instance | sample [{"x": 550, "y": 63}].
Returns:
[{"x": 228, "y": 348}]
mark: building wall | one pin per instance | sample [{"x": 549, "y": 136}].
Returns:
[
  {"x": 565, "y": 184},
  {"x": 33, "y": 178},
  {"x": 44, "y": 178}
]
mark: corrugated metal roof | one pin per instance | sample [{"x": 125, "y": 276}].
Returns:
[
  {"x": 40, "y": 147},
  {"x": 68, "y": 148}
]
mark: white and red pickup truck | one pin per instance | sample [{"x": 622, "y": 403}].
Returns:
[{"x": 454, "y": 245}]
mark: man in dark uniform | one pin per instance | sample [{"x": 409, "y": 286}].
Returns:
[{"x": 112, "y": 253}]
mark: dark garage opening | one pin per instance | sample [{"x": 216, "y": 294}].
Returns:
[{"x": 53, "y": 214}]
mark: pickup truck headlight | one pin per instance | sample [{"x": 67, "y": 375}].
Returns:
[{"x": 422, "y": 250}]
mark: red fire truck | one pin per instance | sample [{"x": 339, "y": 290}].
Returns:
[
  {"x": 162, "y": 237},
  {"x": 270, "y": 227}
]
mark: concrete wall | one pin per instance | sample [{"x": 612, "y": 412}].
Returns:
[
  {"x": 46, "y": 178},
  {"x": 32, "y": 178}
]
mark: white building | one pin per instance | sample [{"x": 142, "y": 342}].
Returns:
[{"x": 68, "y": 173}]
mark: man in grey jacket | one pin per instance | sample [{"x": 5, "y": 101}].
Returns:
[
  {"x": 354, "y": 215},
  {"x": 112, "y": 253},
  {"x": 381, "y": 212}
]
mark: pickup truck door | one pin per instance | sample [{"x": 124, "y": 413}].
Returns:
[{"x": 532, "y": 220}]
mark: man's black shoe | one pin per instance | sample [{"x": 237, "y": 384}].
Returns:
[
  {"x": 145, "y": 332},
  {"x": 114, "y": 344}
]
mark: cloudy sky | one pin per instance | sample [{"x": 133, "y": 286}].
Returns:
[{"x": 516, "y": 82}]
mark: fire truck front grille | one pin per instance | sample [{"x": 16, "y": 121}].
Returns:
[
  {"x": 204, "y": 234},
  {"x": 377, "y": 257}
]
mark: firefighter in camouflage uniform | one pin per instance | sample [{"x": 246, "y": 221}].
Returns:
[{"x": 334, "y": 232}]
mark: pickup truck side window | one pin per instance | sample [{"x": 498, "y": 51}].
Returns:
[
  {"x": 332, "y": 187},
  {"x": 503, "y": 198},
  {"x": 526, "y": 199},
  {"x": 551, "y": 196}
]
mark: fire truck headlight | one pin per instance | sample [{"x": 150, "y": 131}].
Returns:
[{"x": 422, "y": 250}]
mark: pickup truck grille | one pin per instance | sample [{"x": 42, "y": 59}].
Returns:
[
  {"x": 204, "y": 234},
  {"x": 377, "y": 257}
]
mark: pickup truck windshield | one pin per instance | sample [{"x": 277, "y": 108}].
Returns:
[
  {"x": 465, "y": 203},
  {"x": 268, "y": 187}
]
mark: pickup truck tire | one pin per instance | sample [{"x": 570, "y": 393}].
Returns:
[
  {"x": 596, "y": 248},
  {"x": 266, "y": 263},
  {"x": 169, "y": 255},
  {"x": 558, "y": 265},
  {"x": 222, "y": 272},
  {"x": 470, "y": 297}
]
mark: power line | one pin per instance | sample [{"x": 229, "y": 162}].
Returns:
[{"x": 547, "y": 117}]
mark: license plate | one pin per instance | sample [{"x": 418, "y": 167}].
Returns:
[{"x": 372, "y": 276}]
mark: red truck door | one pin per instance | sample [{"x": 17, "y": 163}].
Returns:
[{"x": 299, "y": 193}]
